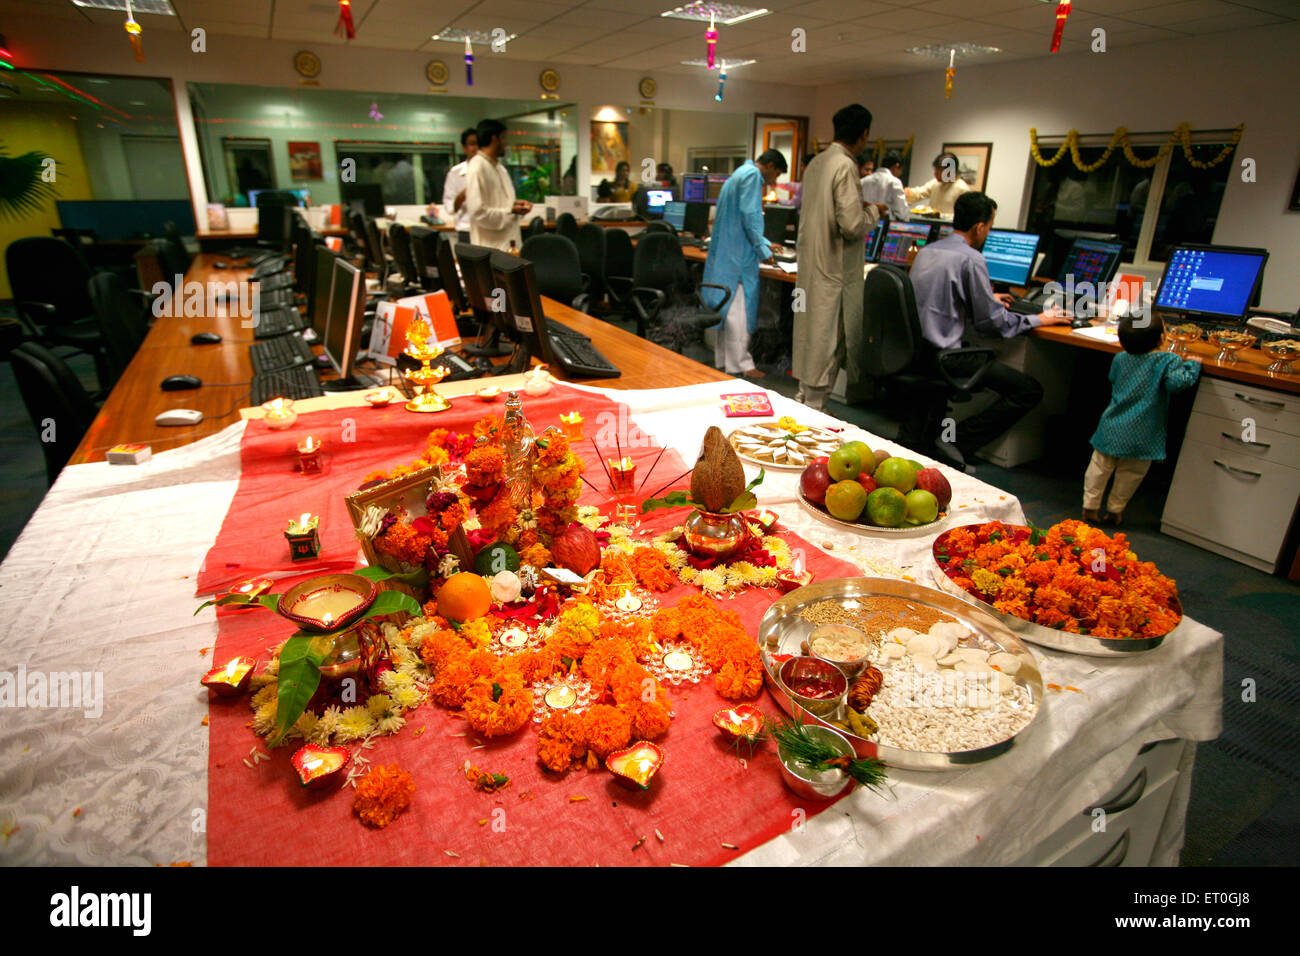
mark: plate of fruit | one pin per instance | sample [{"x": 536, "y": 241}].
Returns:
[
  {"x": 782, "y": 444},
  {"x": 874, "y": 492}
]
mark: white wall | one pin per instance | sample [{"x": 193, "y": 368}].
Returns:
[{"x": 1212, "y": 82}]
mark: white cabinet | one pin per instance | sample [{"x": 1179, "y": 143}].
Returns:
[{"x": 1237, "y": 479}]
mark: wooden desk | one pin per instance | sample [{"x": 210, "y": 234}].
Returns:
[
  {"x": 205, "y": 234},
  {"x": 696, "y": 254},
  {"x": 128, "y": 414}
]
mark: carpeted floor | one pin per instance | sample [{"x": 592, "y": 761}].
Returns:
[{"x": 1245, "y": 803}]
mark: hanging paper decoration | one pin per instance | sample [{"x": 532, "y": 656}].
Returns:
[
  {"x": 1062, "y": 14},
  {"x": 374, "y": 112},
  {"x": 722, "y": 79},
  {"x": 711, "y": 38},
  {"x": 949, "y": 74},
  {"x": 345, "y": 26},
  {"x": 133, "y": 31},
  {"x": 469, "y": 63}
]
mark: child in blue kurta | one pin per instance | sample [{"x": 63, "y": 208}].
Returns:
[{"x": 1131, "y": 433}]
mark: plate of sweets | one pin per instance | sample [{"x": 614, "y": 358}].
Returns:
[
  {"x": 875, "y": 492},
  {"x": 783, "y": 444},
  {"x": 1072, "y": 587}
]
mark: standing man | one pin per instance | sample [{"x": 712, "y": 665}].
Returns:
[
  {"x": 950, "y": 279},
  {"x": 490, "y": 195},
  {"x": 454, "y": 188},
  {"x": 885, "y": 185},
  {"x": 942, "y": 191},
  {"x": 832, "y": 225},
  {"x": 737, "y": 247}
]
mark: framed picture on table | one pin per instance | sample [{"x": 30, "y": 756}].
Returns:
[
  {"x": 972, "y": 162},
  {"x": 404, "y": 499}
]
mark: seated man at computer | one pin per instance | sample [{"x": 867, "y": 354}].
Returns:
[
  {"x": 941, "y": 192},
  {"x": 490, "y": 194},
  {"x": 886, "y": 185},
  {"x": 954, "y": 296},
  {"x": 737, "y": 247},
  {"x": 454, "y": 188}
]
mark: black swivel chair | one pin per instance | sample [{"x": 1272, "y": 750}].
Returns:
[
  {"x": 59, "y": 407},
  {"x": 175, "y": 259},
  {"x": 566, "y": 225},
  {"x": 49, "y": 280},
  {"x": 558, "y": 269},
  {"x": 399, "y": 241},
  {"x": 617, "y": 275},
  {"x": 896, "y": 352},
  {"x": 536, "y": 227},
  {"x": 658, "y": 225},
  {"x": 663, "y": 296},
  {"x": 121, "y": 319},
  {"x": 591, "y": 257}
]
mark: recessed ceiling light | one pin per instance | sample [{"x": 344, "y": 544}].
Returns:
[
  {"x": 458, "y": 35},
  {"x": 135, "y": 102},
  {"x": 724, "y": 64},
  {"x": 706, "y": 10},
  {"x": 162, "y": 8},
  {"x": 942, "y": 50},
  {"x": 98, "y": 81}
]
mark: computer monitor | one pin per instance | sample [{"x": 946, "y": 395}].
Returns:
[
  {"x": 874, "y": 241},
  {"x": 369, "y": 195},
  {"x": 675, "y": 215},
  {"x": 273, "y": 221},
  {"x": 290, "y": 197},
  {"x": 713, "y": 186},
  {"x": 657, "y": 199},
  {"x": 944, "y": 232},
  {"x": 778, "y": 221},
  {"x": 318, "y": 300},
  {"x": 1090, "y": 261},
  {"x": 1057, "y": 247},
  {"x": 900, "y": 239},
  {"x": 695, "y": 187},
  {"x": 424, "y": 250},
  {"x": 1216, "y": 283},
  {"x": 375, "y": 249},
  {"x": 1010, "y": 255},
  {"x": 524, "y": 308},
  {"x": 399, "y": 241},
  {"x": 346, "y": 314},
  {"x": 697, "y": 219}
]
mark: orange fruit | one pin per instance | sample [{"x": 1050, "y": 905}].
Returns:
[{"x": 464, "y": 597}]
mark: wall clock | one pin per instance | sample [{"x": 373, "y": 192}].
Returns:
[
  {"x": 436, "y": 72},
  {"x": 550, "y": 80},
  {"x": 648, "y": 88},
  {"x": 307, "y": 64}
]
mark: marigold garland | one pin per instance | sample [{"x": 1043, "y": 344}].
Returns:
[
  {"x": 382, "y": 794},
  {"x": 557, "y": 475},
  {"x": 606, "y": 729},
  {"x": 1120, "y": 138},
  {"x": 498, "y": 707}
]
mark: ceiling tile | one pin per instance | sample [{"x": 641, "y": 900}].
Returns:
[
  {"x": 1232, "y": 21},
  {"x": 837, "y": 10},
  {"x": 1172, "y": 14}
]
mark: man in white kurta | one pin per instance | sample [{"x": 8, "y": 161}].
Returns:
[
  {"x": 454, "y": 187},
  {"x": 490, "y": 195},
  {"x": 941, "y": 192},
  {"x": 832, "y": 225}
]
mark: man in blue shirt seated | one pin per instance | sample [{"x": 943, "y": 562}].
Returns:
[{"x": 954, "y": 295}]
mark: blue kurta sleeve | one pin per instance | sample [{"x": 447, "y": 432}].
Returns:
[
  {"x": 751, "y": 210},
  {"x": 1181, "y": 374}
]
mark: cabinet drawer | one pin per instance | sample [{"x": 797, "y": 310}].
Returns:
[
  {"x": 1225, "y": 435},
  {"x": 1277, "y": 411},
  {"x": 1234, "y": 499},
  {"x": 1129, "y": 837}
]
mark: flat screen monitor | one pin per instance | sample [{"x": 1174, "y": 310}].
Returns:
[
  {"x": 944, "y": 232},
  {"x": 697, "y": 219},
  {"x": 304, "y": 257},
  {"x": 777, "y": 221},
  {"x": 900, "y": 239},
  {"x": 346, "y": 314},
  {"x": 1010, "y": 255},
  {"x": 424, "y": 249},
  {"x": 675, "y": 215},
  {"x": 695, "y": 187},
  {"x": 656, "y": 199},
  {"x": 318, "y": 300},
  {"x": 399, "y": 241},
  {"x": 1216, "y": 283},
  {"x": 874, "y": 241},
  {"x": 291, "y": 197},
  {"x": 1090, "y": 261},
  {"x": 369, "y": 195},
  {"x": 274, "y": 222},
  {"x": 524, "y": 308},
  {"x": 1057, "y": 246},
  {"x": 713, "y": 186},
  {"x": 476, "y": 275}
]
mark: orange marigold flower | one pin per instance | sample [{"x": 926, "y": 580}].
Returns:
[
  {"x": 649, "y": 720},
  {"x": 442, "y": 646},
  {"x": 484, "y": 466},
  {"x": 382, "y": 794},
  {"x": 606, "y": 729},
  {"x": 487, "y": 425},
  {"x": 651, "y": 568},
  {"x": 535, "y": 554},
  {"x": 560, "y": 742},
  {"x": 739, "y": 679},
  {"x": 403, "y": 542},
  {"x": 498, "y": 707}
]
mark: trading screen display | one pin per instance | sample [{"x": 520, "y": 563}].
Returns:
[
  {"x": 1010, "y": 255},
  {"x": 714, "y": 183},
  {"x": 1209, "y": 281},
  {"x": 901, "y": 238},
  {"x": 658, "y": 198},
  {"x": 675, "y": 215},
  {"x": 1091, "y": 261},
  {"x": 695, "y": 188}
]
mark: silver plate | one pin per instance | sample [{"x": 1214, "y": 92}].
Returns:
[
  {"x": 935, "y": 526},
  {"x": 783, "y": 620},
  {"x": 779, "y": 465},
  {"x": 1057, "y": 640}
]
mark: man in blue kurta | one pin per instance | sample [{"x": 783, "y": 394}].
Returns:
[{"x": 736, "y": 248}]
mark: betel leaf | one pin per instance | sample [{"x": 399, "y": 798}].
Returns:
[
  {"x": 270, "y": 601},
  {"x": 416, "y": 579},
  {"x": 391, "y": 602},
  {"x": 374, "y": 572},
  {"x": 299, "y": 676},
  {"x": 746, "y": 500},
  {"x": 674, "y": 499}
]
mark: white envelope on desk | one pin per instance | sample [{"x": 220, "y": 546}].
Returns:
[{"x": 1098, "y": 332}]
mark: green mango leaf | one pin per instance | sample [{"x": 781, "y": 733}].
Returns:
[
  {"x": 745, "y": 501},
  {"x": 299, "y": 676},
  {"x": 265, "y": 600},
  {"x": 415, "y": 579},
  {"x": 674, "y": 499},
  {"x": 375, "y": 572},
  {"x": 758, "y": 479},
  {"x": 391, "y": 602}
]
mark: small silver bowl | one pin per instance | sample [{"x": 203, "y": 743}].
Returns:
[
  {"x": 851, "y": 668},
  {"x": 800, "y": 778},
  {"x": 798, "y": 669}
]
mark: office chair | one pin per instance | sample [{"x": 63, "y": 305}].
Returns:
[
  {"x": 658, "y": 225},
  {"x": 536, "y": 227},
  {"x": 52, "y": 394},
  {"x": 558, "y": 269},
  {"x": 895, "y": 351},
  {"x": 175, "y": 259},
  {"x": 591, "y": 258},
  {"x": 617, "y": 276},
  {"x": 121, "y": 320},
  {"x": 423, "y": 243},
  {"x": 49, "y": 280},
  {"x": 566, "y": 225},
  {"x": 659, "y": 281}
]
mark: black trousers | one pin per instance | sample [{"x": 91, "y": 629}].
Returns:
[{"x": 1018, "y": 394}]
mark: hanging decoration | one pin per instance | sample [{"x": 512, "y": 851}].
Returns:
[
  {"x": 711, "y": 38},
  {"x": 469, "y": 63},
  {"x": 374, "y": 112},
  {"x": 345, "y": 27},
  {"x": 1062, "y": 14},
  {"x": 722, "y": 79},
  {"x": 903, "y": 153},
  {"x": 949, "y": 74},
  {"x": 134, "y": 32},
  {"x": 1182, "y": 135}
]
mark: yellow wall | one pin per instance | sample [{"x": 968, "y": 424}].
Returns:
[{"x": 51, "y": 129}]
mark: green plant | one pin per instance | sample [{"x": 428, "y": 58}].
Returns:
[
  {"x": 23, "y": 190},
  {"x": 537, "y": 183}
]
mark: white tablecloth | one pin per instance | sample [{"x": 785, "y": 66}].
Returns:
[{"x": 101, "y": 581}]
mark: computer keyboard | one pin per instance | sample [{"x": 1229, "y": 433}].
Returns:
[
  {"x": 1025, "y": 306},
  {"x": 293, "y": 383},
  {"x": 275, "y": 322},
  {"x": 578, "y": 357},
  {"x": 279, "y": 299},
  {"x": 457, "y": 367},
  {"x": 279, "y": 353},
  {"x": 269, "y": 267},
  {"x": 559, "y": 328},
  {"x": 274, "y": 283}
]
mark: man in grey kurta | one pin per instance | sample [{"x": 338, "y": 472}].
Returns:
[{"x": 832, "y": 225}]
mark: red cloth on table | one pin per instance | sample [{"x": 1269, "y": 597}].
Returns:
[{"x": 702, "y": 798}]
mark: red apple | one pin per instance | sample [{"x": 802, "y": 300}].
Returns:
[
  {"x": 867, "y": 482},
  {"x": 814, "y": 481},
  {"x": 933, "y": 481}
]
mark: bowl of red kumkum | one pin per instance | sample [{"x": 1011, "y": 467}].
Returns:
[{"x": 815, "y": 685}]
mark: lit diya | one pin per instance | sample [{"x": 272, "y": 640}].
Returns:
[
  {"x": 320, "y": 768},
  {"x": 622, "y": 475},
  {"x": 571, "y": 424},
  {"x": 537, "y": 381},
  {"x": 795, "y": 577},
  {"x": 303, "y": 535},
  {"x": 677, "y": 664},
  {"x": 637, "y": 764},
  {"x": 513, "y": 637},
  {"x": 251, "y": 589},
  {"x": 328, "y": 602},
  {"x": 309, "y": 456},
  {"x": 231, "y": 678},
  {"x": 742, "y": 722},
  {"x": 488, "y": 393},
  {"x": 381, "y": 398},
  {"x": 766, "y": 519},
  {"x": 279, "y": 414}
]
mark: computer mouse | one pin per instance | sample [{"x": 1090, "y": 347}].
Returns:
[
  {"x": 1081, "y": 323},
  {"x": 178, "y": 416},
  {"x": 483, "y": 363},
  {"x": 221, "y": 265},
  {"x": 204, "y": 338},
  {"x": 178, "y": 383}
]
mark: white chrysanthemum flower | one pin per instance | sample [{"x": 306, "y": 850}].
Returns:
[
  {"x": 379, "y": 704},
  {"x": 273, "y": 665},
  {"x": 688, "y": 575},
  {"x": 420, "y": 632},
  {"x": 392, "y": 680},
  {"x": 305, "y": 725},
  {"x": 408, "y": 697},
  {"x": 371, "y": 519},
  {"x": 354, "y": 724},
  {"x": 391, "y": 725},
  {"x": 264, "y": 719},
  {"x": 449, "y": 565},
  {"x": 268, "y": 692}
]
